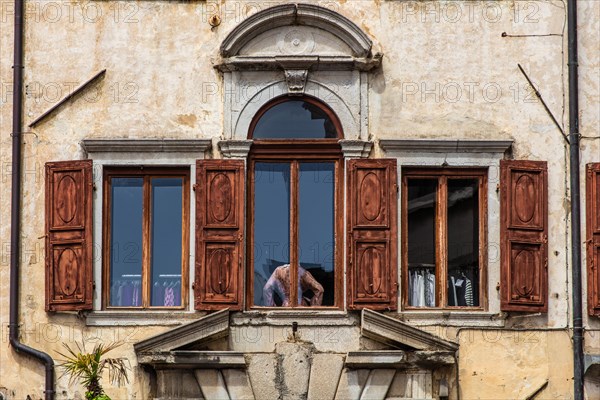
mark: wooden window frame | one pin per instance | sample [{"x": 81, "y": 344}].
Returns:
[
  {"x": 441, "y": 230},
  {"x": 147, "y": 173}
]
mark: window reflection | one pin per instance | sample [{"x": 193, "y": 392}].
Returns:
[
  {"x": 167, "y": 220},
  {"x": 146, "y": 237},
  {"x": 271, "y": 229},
  {"x": 463, "y": 242},
  {"x": 315, "y": 199},
  {"x": 422, "y": 204},
  {"x": 126, "y": 242},
  {"x": 316, "y": 233},
  {"x": 295, "y": 119}
]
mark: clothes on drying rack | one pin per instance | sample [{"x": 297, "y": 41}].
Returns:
[
  {"x": 461, "y": 289},
  {"x": 126, "y": 293},
  {"x": 166, "y": 294},
  {"x": 421, "y": 288}
]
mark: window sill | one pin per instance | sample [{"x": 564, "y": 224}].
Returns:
[
  {"x": 302, "y": 317},
  {"x": 453, "y": 318},
  {"x": 140, "y": 318}
]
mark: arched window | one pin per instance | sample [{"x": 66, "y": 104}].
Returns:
[
  {"x": 295, "y": 170},
  {"x": 288, "y": 118}
]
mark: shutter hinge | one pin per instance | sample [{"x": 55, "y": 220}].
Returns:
[
  {"x": 194, "y": 285},
  {"x": 94, "y": 188},
  {"x": 94, "y": 285}
]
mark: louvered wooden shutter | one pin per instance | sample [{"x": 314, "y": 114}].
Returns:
[
  {"x": 219, "y": 234},
  {"x": 372, "y": 208},
  {"x": 593, "y": 237},
  {"x": 69, "y": 278},
  {"x": 524, "y": 236}
]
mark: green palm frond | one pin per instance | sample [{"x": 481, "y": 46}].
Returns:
[{"x": 88, "y": 367}]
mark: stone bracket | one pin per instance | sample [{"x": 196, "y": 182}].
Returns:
[
  {"x": 235, "y": 148},
  {"x": 296, "y": 81},
  {"x": 355, "y": 148}
]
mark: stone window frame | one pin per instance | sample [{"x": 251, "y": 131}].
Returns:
[
  {"x": 458, "y": 153},
  {"x": 182, "y": 153}
]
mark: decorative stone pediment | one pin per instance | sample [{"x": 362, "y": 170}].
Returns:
[
  {"x": 204, "y": 330},
  {"x": 402, "y": 361},
  {"x": 306, "y": 32},
  {"x": 398, "y": 334},
  {"x": 294, "y": 50}
]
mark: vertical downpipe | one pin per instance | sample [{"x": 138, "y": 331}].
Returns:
[
  {"x": 575, "y": 201},
  {"x": 15, "y": 210}
]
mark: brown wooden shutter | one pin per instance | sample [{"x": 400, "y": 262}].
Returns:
[
  {"x": 593, "y": 237},
  {"x": 524, "y": 235},
  {"x": 69, "y": 278},
  {"x": 372, "y": 234},
  {"x": 219, "y": 234}
]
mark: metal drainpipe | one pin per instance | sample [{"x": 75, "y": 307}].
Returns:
[
  {"x": 575, "y": 200},
  {"x": 15, "y": 211}
]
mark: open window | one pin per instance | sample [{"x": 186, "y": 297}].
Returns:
[
  {"x": 294, "y": 206},
  {"x": 444, "y": 240}
]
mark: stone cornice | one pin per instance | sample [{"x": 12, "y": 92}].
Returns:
[
  {"x": 205, "y": 329},
  {"x": 193, "y": 359},
  {"x": 145, "y": 145},
  {"x": 398, "y": 359},
  {"x": 444, "y": 146},
  {"x": 312, "y": 63}
]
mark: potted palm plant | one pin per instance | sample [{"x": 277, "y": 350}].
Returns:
[{"x": 88, "y": 368}]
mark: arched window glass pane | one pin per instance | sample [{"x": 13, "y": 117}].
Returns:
[{"x": 295, "y": 119}]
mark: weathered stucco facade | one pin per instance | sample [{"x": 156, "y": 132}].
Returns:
[{"x": 437, "y": 70}]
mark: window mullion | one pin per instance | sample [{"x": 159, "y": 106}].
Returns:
[
  {"x": 146, "y": 259},
  {"x": 294, "y": 234},
  {"x": 442, "y": 241}
]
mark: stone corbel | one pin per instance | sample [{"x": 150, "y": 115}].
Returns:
[
  {"x": 356, "y": 148},
  {"x": 235, "y": 148},
  {"x": 296, "y": 81}
]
